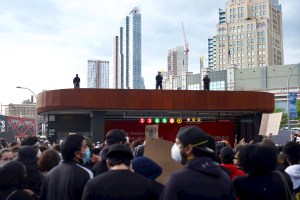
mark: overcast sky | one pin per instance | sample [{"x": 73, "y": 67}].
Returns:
[{"x": 44, "y": 43}]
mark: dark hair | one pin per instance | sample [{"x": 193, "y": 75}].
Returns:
[
  {"x": 48, "y": 160},
  {"x": 13, "y": 144},
  {"x": 136, "y": 143},
  {"x": 227, "y": 155},
  {"x": 4, "y": 143},
  {"x": 227, "y": 159},
  {"x": 115, "y": 136},
  {"x": 258, "y": 159},
  {"x": 12, "y": 175},
  {"x": 71, "y": 145},
  {"x": 15, "y": 149},
  {"x": 267, "y": 141},
  {"x": 118, "y": 161},
  {"x": 96, "y": 151},
  {"x": 34, "y": 178},
  {"x": 292, "y": 150},
  {"x": 29, "y": 140}
]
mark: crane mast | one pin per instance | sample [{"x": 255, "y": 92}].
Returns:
[{"x": 186, "y": 47}]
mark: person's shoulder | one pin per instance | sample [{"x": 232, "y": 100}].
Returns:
[
  {"x": 180, "y": 173},
  {"x": 240, "y": 179},
  {"x": 21, "y": 195},
  {"x": 85, "y": 171}
]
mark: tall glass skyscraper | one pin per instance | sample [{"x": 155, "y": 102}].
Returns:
[{"x": 129, "y": 51}]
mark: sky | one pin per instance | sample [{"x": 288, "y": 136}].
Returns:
[{"x": 43, "y": 44}]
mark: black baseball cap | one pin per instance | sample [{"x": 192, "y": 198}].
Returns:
[
  {"x": 195, "y": 136},
  {"x": 119, "y": 150}
]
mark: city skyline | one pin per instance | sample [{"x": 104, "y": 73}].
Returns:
[{"x": 44, "y": 50}]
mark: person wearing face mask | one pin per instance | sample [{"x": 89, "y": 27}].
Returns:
[
  {"x": 68, "y": 179},
  {"x": 201, "y": 178},
  {"x": 87, "y": 159}
]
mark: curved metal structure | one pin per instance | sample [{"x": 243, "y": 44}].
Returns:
[{"x": 89, "y": 110}]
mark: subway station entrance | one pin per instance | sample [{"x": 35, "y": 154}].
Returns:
[{"x": 229, "y": 115}]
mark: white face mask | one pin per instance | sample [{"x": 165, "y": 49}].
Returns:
[{"x": 175, "y": 153}]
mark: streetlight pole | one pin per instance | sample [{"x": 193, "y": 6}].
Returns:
[
  {"x": 36, "y": 117},
  {"x": 19, "y": 87},
  {"x": 287, "y": 95}
]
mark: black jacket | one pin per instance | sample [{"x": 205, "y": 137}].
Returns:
[
  {"x": 269, "y": 186},
  {"x": 200, "y": 179},
  {"x": 65, "y": 181},
  {"x": 159, "y": 78},
  {"x": 119, "y": 185},
  {"x": 18, "y": 195},
  {"x": 101, "y": 167}
]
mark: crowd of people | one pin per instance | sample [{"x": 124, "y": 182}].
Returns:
[{"x": 117, "y": 170}]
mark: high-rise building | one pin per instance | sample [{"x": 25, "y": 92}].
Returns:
[
  {"x": 127, "y": 71},
  {"x": 116, "y": 64},
  {"x": 175, "y": 79},
  {"x": 26, "y": 109},
  {"x": 222, "y": 16},
  {"x": 212, "y": 43},
  {"x": 212, "y": 53},
  {"x": 98, "y": 74},
  {"x": 177, "y": 61},
  {"x": 251, "y": 36}
]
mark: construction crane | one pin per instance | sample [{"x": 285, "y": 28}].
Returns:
[{"x": 186, "y": 46}]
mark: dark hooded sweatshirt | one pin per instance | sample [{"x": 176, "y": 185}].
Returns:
[
  {"x": 201, "y": 178},
  {"x": 12, "y": 181}
]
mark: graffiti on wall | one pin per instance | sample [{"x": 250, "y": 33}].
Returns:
[{"x": 16, "y": 127}]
